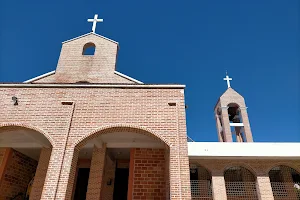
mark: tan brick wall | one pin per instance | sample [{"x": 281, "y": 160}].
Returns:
[
  {"x": 97, "y": 109},
  {"x": 74, "y": 67},
  {"x": 149, "y": 174},
  {"x": 18, "y": 173}
]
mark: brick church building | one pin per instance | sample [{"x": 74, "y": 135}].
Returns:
[{"x": 86, "y": 131}]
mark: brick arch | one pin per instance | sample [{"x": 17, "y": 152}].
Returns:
[
  {"x": 233, "y": 103},
  {"x": 28, "y": 126},
  {"x": 240, "y": 164},
  {"x": 202, "y": 165},
  {"x": 119, "y": 128},
  {"x": 296, "y": 168}
]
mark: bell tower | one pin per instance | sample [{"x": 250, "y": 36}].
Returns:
[{"x": 231, "y": 117}]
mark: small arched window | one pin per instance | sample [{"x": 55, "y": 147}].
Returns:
[
  {"x": 234, "y": 113},
  {"x": 89, "y": 49}
]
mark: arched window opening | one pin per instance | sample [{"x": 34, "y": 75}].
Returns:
[
  {"x": 236, "y": 123},
  {"x": 284, "y": 181},
  {"x": 200, "y": 182},
  {"x": 89, "y": 49},
  {"x": 234, "y": 113},
  {"x": 240, "y": 184}
]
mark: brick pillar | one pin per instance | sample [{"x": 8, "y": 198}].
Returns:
[
  {"x": 96, "y": 173},
  {"x": 53, "y": 173},
  {"x": 226, "y": 125},
  {"x": 247, "y": 130},
  {"x": 179, "y": 181},
  {"x": 264, "y": 188},
  {"x": 238, "y": 133},
  {"x": 218, "y": 186},
  {"x": 40, "y": 174},
  {"x": 67, "y": 176},
  {"x": 219, "y": 128}
]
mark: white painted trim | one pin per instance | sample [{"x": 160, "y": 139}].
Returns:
[
  {"x": 128, "y": 77},
  {"x": 236, "y": 124},
  {"x": 51, "y": 85},
  {"x": 91, "y": 33},
  {"x": 257, "y": 150},
  {"x": 39, "y": 77}
]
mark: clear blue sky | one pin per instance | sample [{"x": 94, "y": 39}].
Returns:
[{"x": 186, "y": 42}]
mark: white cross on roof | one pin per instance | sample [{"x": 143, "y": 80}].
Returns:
[
  {"x": 95, "y": 20},
  {"x": 228, "y": 80}
]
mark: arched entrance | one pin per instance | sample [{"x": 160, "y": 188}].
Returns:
[
  {"x": 24, "y": 157},
  {"x": 121, "y": 163},
  {"x": 240, "y": 183},
  {"x": 200, "y": 182},
  {"x": 284, "y": 181}
]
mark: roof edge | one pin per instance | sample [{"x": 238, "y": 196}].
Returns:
[
  {"x": 128, "y": 77},
  {"x": 91, "y": 33},
  {"x": 40, "y": 77},
  {"x": 68, "y": 85}
]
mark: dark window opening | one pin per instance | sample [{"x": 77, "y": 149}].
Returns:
[
  {"x": 121, "y": 184},
  {"x": 89, "y": 49}
]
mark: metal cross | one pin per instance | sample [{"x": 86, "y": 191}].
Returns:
[
  {"x": 95, "y": 20},
  {"x": 228, "y": 80}
]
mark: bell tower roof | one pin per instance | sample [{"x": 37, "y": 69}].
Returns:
[
  {"x": 231, "y": 116},
  {"x": 230, "y": 96}
]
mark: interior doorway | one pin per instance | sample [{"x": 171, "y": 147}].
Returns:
[
  {"x": 121, "y": 184},
  {"x": 82, "y": 183}
]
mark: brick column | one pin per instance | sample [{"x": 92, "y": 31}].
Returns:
[
  {"x": 40, "y": 174},
  {"x": 226, "y": 125},
  {"x": 247, "y": 130},
  {"x": 263, "y": 187},
  {"x": 67, "y": 176},
  {"x": 96, "y": 173},
  {"x": 179, "y": 182},
  {"x": 219, "y": 128},
  {"x": 53, "y": 173},
  {"x": 218, "y": 186}
]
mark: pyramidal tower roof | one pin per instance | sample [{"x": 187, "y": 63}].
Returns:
[{"x": 230, "y": 94}]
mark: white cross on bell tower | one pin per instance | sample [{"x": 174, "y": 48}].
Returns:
[
  {"x": 228, "y": 80},
  {"x": 95, "y": 20}
]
